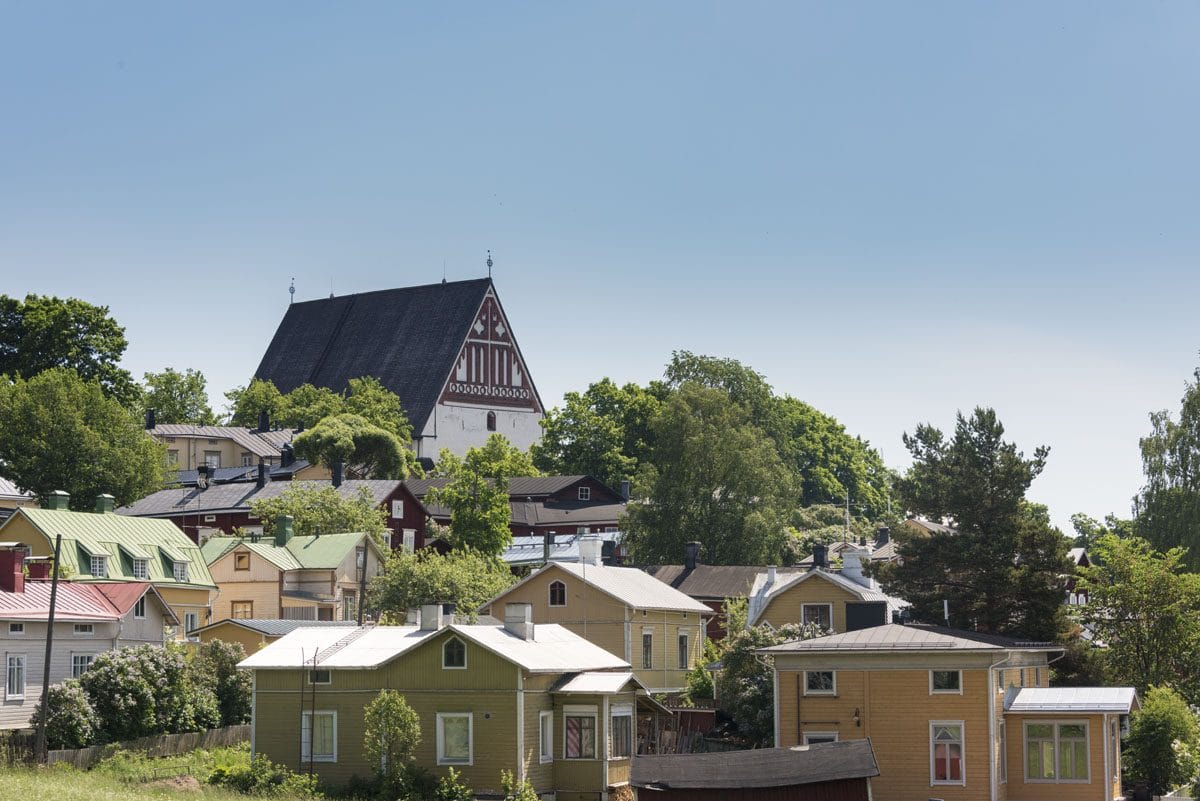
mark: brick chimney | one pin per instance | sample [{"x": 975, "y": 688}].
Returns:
[
  {"x": 12, "y": 576},
  {"x": 820, "y": 556},
  {"x": 264, "y": 473},
  {"x": 150, "y": 420},
  {"x": 338, "y": 471},
  {"x": 39, "y": 569},
  {"x": 264, "y": 420}
]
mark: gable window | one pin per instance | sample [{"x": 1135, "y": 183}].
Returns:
[
  {"x": 141, "y": 568},
  {"x": 319, "y": 677},
  {"x": 946, "y": 752},
  {"x": 546, "y": 736},
  {"x": 1056, "y": 752},
  {"x": 558, "y": 593},
  {"x": 945, "y": 681},
  {"x": 85, "y": 629},
  {"x": 80, "y": 663},
  {"x": 360, "y": 563},
  {"x": 820, "y": 682},
  {"x": 585, "y": 493},
  {"x": 247, "y": 459},
  {"x": 139, "y": 608},
  {"x": 683, "y": 650},
  {"x": 816, "y": 737},
  {"x": 454, "y": 654},
  {"x": 454, "y": 738},
  {"x": 318, "y": 736},
  {"x": 579, "y": 732},
  {"x": 16, "y": 628},
  {"x": 100, "y": 566},
  {"x": 491, "y": 421},
  {"x": 241, "y": 610},
  {"x": 241, "y": 560},
  {"x": 821, "y": 614},
  {"x": 181, "y": 572},
  {"x": 621, "y": 725},
  {"x": 647, "y": 649},
  {"x": 15, "y": 686}
]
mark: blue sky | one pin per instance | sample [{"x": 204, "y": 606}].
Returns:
[{"x": 894, "y": 211}]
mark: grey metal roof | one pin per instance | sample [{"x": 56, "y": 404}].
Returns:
[
  {"x": 714, "y": 582},
  {"x": 911, "y": 637},
  {"x": 408, "y": 338},
  {"x": 278, "y": 628},
  {"x": 1071, "y": 699},
  {"x": 236, "y": 497},
  {"x": 10, "y": 490},
  {"x": 230, "y": 475},
  {"x": 264, "y": 443},
  {"x": 760, "y": 768},
  {"x": 626, "y": 584},
  {"x": 519, "y": 486},
  {"x": 527, "y": 551}
]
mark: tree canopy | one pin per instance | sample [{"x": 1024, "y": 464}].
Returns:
[
  {"x": 477, "y": 494},
  {"x": 320, "y": 509},
  {"x": 307, "y": 405},
  {"x": 465, "y": 578},
  {"x": 178, "y": 397},
  {"x": 351, "y": 440},
  {"x": 59, "y": 432}
]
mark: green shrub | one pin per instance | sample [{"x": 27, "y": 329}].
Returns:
[
  {"x": 264, "y": 778},
  {"x": 70, "y": 722},
  {"x": 452, "y": 788},
  {"x": 516, "y": 790},
  {"x": 215, "y": 667},
  {"x": 1164, "y": 742},
  {"x": 391, "y": 734}
]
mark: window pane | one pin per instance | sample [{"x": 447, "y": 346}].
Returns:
[
  {"x": 323, "y": 735},
  {"x": 621, "y": 735},
  {"x": 1040, "y": 730},
  {"x": 946, "y": 680},
  {"x": 947, "y": 733},
  {"x": 1072, "y": 730},
  {"x": 456, "y": 738},
  {"x": 819, "y": 680},
  {"x": 581, "y": 737}
]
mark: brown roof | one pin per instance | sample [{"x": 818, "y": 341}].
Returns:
[
  {"x": 714, "y": 582},
  {"x": 760, "y": 768}
]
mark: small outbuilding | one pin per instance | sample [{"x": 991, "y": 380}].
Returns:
[{"x": 839, "y": 771}]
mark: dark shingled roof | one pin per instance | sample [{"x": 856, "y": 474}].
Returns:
[
  {"x": 407, "y": 338},
  {"x": 760, "y": 768}
]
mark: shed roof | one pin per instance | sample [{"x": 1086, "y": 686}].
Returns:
[
  {"x": 760, "y": 768},
  {"x": 894, "y": 637},
  {"x": 1071, "y": 699},
  {"x": 626, "y": 584},
  {"x": 594, "y": 683}
]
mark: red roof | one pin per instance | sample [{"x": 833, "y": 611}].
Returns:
[
  {"x": 75, "y": 601},
  {"x": 122, "y": 594}
]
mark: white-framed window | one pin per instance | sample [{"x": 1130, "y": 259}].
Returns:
[
  {"x": 946, "y": 752},
  {"x": 647, "y": 649},
  {"x": 16, "y": 628},
  {"x": 945, "y": 681},
  {"x": 241, "y": 610},
  {"x": 320, "y": 677},
  {"x": 247, "y": 459},
  {"x": 821, "y": 614},
  {"x": 210, "y": 518},
  {"x": 99, "y": 566},
  {"x": 139, "y": 608},
  {"x": 141, "y": 568},
  {"x": 683, "y": 650},
  {"x": 585, "y": 493},
  {"x": 15, "y": 685},
  {"x": 1056, "y": 751},
  {"x": 491, "y": 421},
  {"x": 815, "y": 737},
  {"x": 1003, "y": 752},
  {"x": 80, "y": 663},
  {"x": 318, "y": 736},
  {"x": 611, "y": 529},
  {"x": 579, "y": 732},
  {"x": 212, "y": 458},
  {"x": 820, "y": 682},
  {"x": 241, "y": 560},
  {"x": 181, "y": 572},
  {"x": 397, "y": 509},
  {"x": 546, "y": 736},
  {"x": 410, "y": 539},
  {"x": 454, "y": 654},
  {"x": 191, "y": 622},
  {"x": 84, "y": 629},
  {"x": 454, "y": 738},
  {"x": 621, "y": 732},
  {"x": 172, "y": 457},
  {"x": 558, "y": 593}
]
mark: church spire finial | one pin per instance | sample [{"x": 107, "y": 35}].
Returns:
[
  {"x": 292, "y": 292},
  {"x": 489, "y": 264}
]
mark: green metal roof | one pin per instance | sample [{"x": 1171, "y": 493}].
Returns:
[
  {"x": 85, "y": 534},
  {"x": 301, "y": 552}
]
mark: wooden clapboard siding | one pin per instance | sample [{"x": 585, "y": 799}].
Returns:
[
  {"x": 786, "y": 606},
  {"x": 1095, "y": 789}
]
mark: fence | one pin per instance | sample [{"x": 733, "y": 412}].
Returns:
[{"x": 157, "y": 746}]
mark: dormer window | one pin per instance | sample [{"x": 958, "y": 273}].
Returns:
[
  {"x": 454, "y": 654},
  {"x": 141, "y": 568},
  {"x": 181, "y": 572},
  {"x": 558, "y": 593},
  {"x": 585, "y": 493},
  {"x": 100, "y": 566}
]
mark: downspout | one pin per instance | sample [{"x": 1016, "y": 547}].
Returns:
[
  {"x": 520, "y": 726},
  {"x": 253, "y": 711},
  {"x": 993, "y": 779},
  {"x": 628, "y": 636},
  {"x": 602, "y": 745},
  {"x": 775, "y": 669},
  {"x": 1107, "y": 770}
]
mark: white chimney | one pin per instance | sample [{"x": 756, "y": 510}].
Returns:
[
  {"x": 431, "y": 617},
  {"x": 590, "y": 548},
  {"x": 852, "y": 566},
  {"x": 771, "y": 575},
  {"x": 518, "y": 620}
]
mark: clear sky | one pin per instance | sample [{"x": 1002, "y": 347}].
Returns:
[{"x": 893, "y": 210}]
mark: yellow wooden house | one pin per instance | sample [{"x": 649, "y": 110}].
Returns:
[{"x": 955, "y": 715}]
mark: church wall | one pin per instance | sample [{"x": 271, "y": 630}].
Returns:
[{"x": 461, "y": 427}]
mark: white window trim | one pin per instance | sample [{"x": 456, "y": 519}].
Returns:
[
  {"x": 140, "y": 602},
  {"x": 18, "y": 631},
  {"x": 962, "y": 753},
  {"x": 78, "y": 631},
  {"x": 832, "y": 692},
  {"x": 103, "y": 563},
  {"x": 550, "y": 594},
  {"x": 175, "y": 572},
  {"x": 582, "y": 711},
  {"x": 959, "y": 691},
  {"x": 89, "y": 656},
  {"x": 24, "y": 678},
  {"x": 1055, "y": 723},
  {"x": 647, "y": 664},
  {"x": 684, "y": 635},
  {"x": 622, "y": 711},
  {"x": 827, "y": 606},
  {"x": 463, "y": 666},
  {"x": 306, "y": 723},
  {"x": 309, "y": 676},
  {"x": 584, "y": 494},
  {"x": 441, "y": 738},
  {"x": 821, "y": 734},
  {"x": 545, "y": 729},
  {"x": 144, "y": 573}
]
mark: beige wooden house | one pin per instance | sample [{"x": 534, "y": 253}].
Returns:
[
  {"x": 652, "y": 626},
  {"x": 535, "y": 700},
  {"x": 955, "y": 715}
]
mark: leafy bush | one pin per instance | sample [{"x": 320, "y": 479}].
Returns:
[
  {"x": 516, "y": 790},
  {"x": 699, "y": 679},
  {"x": 263, "y": 777},
  {"x": 451, "y": 788},
  {"x": 466, "y": 578},
  {"x": 1164, "y": 742},
  {"x": 70, "y": 722},
  {"x": 215, "y": 666},
  {"x": 391, "y": 734}
]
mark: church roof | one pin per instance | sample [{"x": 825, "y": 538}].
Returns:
[{"x": 408, "y": 338}]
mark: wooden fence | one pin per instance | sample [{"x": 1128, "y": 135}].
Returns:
[{"x": 157, "y": 746}]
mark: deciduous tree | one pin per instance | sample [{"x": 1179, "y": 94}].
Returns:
[
  {"x": 465, "y": 578},
  {"x": 351, "y": 440},
  {"x": 1163, "y": 748},
  {"x": 320, "y": 509},
  {"x": 391, "y": 734},
  {"x": 178, "y": 397},
  {"x": 477, "y": 494}
]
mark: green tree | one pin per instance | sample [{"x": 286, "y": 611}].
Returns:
[
  {"x": 1145, "y": 607},
  {"x": 1163, "y": 748},
  {"x": 248, "y": 402},
  {"x": 391, "y": 734},
  {"x": 306, "y": 405},
  {"x": 45, "y": 332},
  {"x": 451, "y": 787},
  {"x": 516, "y": 790},
  {"x": 466, "y": 578},
  {"x": 59, "y": 432},
  {"x": 1004, "y": 569},
  {"x": 1088, "y": 530},
  {"x": 178, "y": 397},
  {"x": 374, "y": 452},
  {"x": 71, "y": 721},
  {"x": 320, "y": 509},
  {"x": 718, "y": 480},
  {"x": 216, "y": 667},
  {"x": 477, "y": 493},
  {"x": 372, "y": 401}
]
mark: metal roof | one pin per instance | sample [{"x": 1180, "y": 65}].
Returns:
[
  {"x": 595, "y": 683},
  {"x": 302, "y": 552},
  {"x": 627, "y": 584},
  {"x": 762, "y": 594},
  {"x": 716, "y": 582},
  {"x": 10, "y": 490},
  {"x": 278, "y": 628},
  {"x": 895, "y": 637},
  {"x": 76, "y": 601},
  {"x": 527, "y": 551},
  {"x": 236, "y": 497},
  {"x": 1071, "y": 699},
  {"x": 760, "y": 768},
  {"x": 265, "y": 443}
]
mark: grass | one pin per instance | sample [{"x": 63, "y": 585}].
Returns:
[{"x": 128, "y": 777}]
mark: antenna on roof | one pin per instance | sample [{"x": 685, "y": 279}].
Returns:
[
  {"x": 489, "y": 264},
  {"x": 292, "y": 291}
]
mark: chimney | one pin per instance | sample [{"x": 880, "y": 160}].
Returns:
[
  {"x": 518, "y": 620},
  {"x": 264, "y": 473},
  {"x": 12, "y": 577},
  {"x": 39, "y": 569},
  {"x": 283, "y": 530},
  {"x": 149, "y": 419},
  {"x": 691, "y": 555},
  {"x": 590, "y": 548},
  {"x": 338, "y": 469},
  {"x": 625, "y": 490},
  {"x": 770, "y": 575},
  {"x": 852, "y": 566},
  {"x": 819, "y": 556},
  {"x": 883, "y": 536},
  {"x": 287, "y": 455},
  {"x": 105, "y": 504},
  {"x": 432, "y": 617},
  {"x": 58, "y": 500},
  {"x": 264, "y": 420},
  {"x": 547, "y": 543}
]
